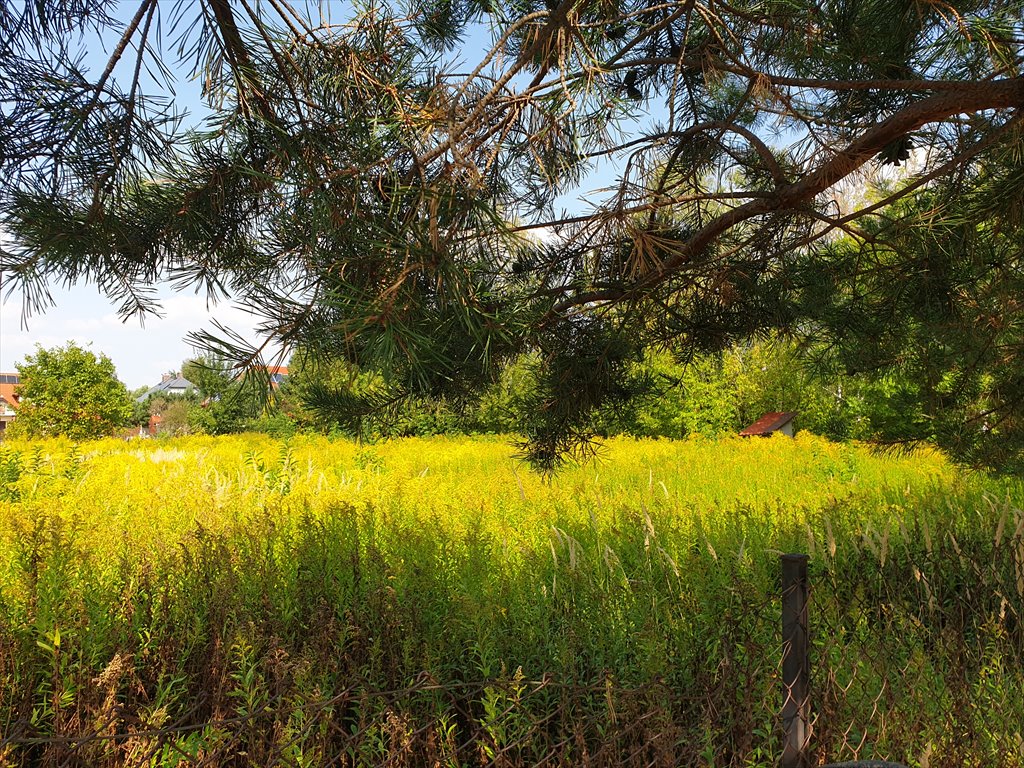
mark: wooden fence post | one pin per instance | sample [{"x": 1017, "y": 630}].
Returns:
[{"x": 796, "y": 669}]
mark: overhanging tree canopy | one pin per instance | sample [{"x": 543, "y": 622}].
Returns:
[{"x": 376, "y": 202}]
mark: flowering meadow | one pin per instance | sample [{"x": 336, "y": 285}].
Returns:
[{"x": 246, "y": 601}]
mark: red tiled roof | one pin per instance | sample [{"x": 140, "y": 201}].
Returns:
[
  {"x": 8, "y": 393},
  {"x": 275, "y": 373},
  {"x": 769, "y": 423}
]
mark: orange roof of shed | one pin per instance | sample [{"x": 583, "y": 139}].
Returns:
[{"x": 770, "y": 422}]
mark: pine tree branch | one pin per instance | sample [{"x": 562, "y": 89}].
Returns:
[{"x": 995, "y": 95}]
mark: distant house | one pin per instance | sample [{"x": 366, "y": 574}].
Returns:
[
  {"x": 8, "y": 399},
  {"x": 775, "y": 421},
  {"x": 277, "y": 373},
  {"x": 170, "y": 384}
]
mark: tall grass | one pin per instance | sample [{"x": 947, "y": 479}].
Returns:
[{"x": 245, "y": 601}]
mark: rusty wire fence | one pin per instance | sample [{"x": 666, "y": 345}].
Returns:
[
  {"x": 908, "y": 653},
  {"x": 875, "y": 657}
]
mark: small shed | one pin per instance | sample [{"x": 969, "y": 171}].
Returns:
[{"x": 775, "y": 421}]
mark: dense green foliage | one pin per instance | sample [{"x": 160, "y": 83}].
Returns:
[
  {"x": 711, "y": 394},
  {"x": 845, "y": 173},
  {"x": 69, "y": 391},
  {"x": 246, "y": 601},
  {"x": 225, "y": 404}
]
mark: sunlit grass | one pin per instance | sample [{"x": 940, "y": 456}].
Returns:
[{"x": 178, "y": 563}]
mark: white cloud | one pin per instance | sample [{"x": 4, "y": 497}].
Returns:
[{"x": 140, "y": 351}]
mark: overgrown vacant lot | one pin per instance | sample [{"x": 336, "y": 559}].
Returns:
[{"x": 240, "y": 601}]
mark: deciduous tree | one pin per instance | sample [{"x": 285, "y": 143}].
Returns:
[
  {"x": 226, "y": 405},
  {"x": 70, "y": 391}
]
